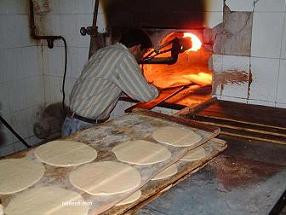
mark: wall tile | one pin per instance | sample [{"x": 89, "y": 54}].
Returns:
[
  {"x": 78, "y": 58},
  {"x": 68, "y": 88},
  {"x": 53, "y": 87},
  {"x": 281, "y": 105},
  {"x": 237, "y": 5},
  {"x": 6, "y": 150},
  {"x": 281, "y": 88},
  {"x": 68, "y": 6},
  {"x": 69, "y": 29},
  {"x": 3, "y": 66},
  {"x": 25, "y": 117},
  {"x": 30, "y": 58},
  {"x": 7, "y": 135},
  {"x": 4, "y": 98},
  {"x": 265, "y": 43},
  {"x": 283, "y": 48},
  {"x": 25, "y": 93},
  {"x": 233, "y": 64},
  {"x": 260, "y": 102},
  {"x": 269, "y": 6},
  {"x": 217, "y": 67},
  {"x": 264, "y": 75},
  {"x": 85, "y": 7},
  {"x": 233, "y": 99},
  {"x": 15, "y": 31},
  {"x": 14, "y": 7},
  {"x": 54, "y": 61}
]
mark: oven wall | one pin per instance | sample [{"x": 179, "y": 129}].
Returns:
[{"x": 252, "y": 39}]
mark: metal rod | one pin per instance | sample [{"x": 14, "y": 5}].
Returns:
[{"x": 7, "y": 125}]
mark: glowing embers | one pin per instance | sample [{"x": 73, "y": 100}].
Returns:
[
  {"x": 196, "y": 42},
  {"x": 201, "y": 78},
  {"x": 191, "y": 67}
]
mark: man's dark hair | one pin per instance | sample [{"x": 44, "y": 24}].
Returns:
[{"x": 133, "y": 37}]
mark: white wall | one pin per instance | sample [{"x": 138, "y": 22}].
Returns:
[
  {"x": 30, "y": 72},
  {"x": 267, "y": 61},
  {"x": 21, "y": 80}
]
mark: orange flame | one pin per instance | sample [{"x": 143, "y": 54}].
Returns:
[{"x": 196, "y": 42}]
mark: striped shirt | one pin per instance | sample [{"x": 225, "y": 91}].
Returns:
[{"x": 109, "y": 72}]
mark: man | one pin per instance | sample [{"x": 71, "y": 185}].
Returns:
[{"x": 111, "y": 71}]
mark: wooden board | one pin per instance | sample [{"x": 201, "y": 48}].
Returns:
[
  {"x": 104, "y": 137},
  {"x": 164, "y": 95},
  {"x": 154, "y": 189}
]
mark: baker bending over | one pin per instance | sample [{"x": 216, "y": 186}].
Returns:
[{"x": 111, "y": 71}]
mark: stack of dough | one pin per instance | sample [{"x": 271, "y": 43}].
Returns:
[
  {"x": 195, "y": 154},
  {"x": 141, "y": 152},
  {"x": 134, "y": 197},
  {"x": 105, "y": 178},
  {"x": 47, "y": 200},
  {"x": 168, "y": 172},
  {"x": 178, "y": 137}
]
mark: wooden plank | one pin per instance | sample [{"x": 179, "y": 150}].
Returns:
[
  {"x": 104, "y": 137},
  {"x": 164, "y": 95},
  {"x": 154, "y": 189}
]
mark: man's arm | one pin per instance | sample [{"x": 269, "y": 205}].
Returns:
[{"x": 132, "y": 82}]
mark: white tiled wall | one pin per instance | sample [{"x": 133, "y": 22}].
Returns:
[
  {"x": 31, "y": 73},
  {"x": 65, "y": 18},
  {"x": 267, "y": 58},
  {"x": 21, "y": 80}
]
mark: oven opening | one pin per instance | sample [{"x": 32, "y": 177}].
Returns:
[{"x": 191, "y": 68}]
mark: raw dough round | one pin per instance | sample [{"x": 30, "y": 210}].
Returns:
[
  {"x": 141, "y": 152},
  {"x": 65, "y": 153},
  {"x": 196, "y": 154},
  {"x": 50, "y": 200},
  {"x": 170, "y": 171},
  {"x": 105, "y": 178},
  {"x": 178, "y": 137},
  {"x": 18, "y": 174},
  {"x": 134, "y": 197}
]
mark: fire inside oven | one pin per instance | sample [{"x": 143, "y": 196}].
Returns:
[{"x": 180, "y": 58}]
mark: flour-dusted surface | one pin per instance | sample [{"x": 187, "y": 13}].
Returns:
[{"x": 134, "y": 126}]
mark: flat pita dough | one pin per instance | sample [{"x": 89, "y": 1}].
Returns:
[
  {"x": 170, "y": 171},
  {"x": 65, "y": 153},
  {"x": 178, "y": 137},
  {"x": 18, "y": 174},
  {"x": 105, "y": 178},
  {"x": 134, "y": 197},
  {"x": 50, "y": 200},
  {"x": 194, "y": 155},
  {"x": 141, "y": 152}
]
